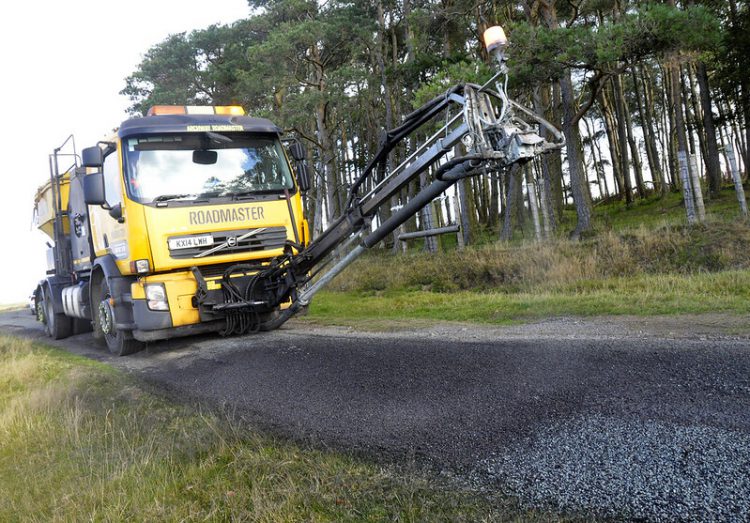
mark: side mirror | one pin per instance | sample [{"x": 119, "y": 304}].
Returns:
[
  {"x": 303, "y": 176},
  {"x": 116, "y": 213},
  {"x": 297, "y": 150},
  {"x": 93, "y": 189},
  {"x": 92, "y": 157}
]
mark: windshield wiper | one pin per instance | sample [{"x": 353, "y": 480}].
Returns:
[
  {"x": 244, "y": 194},
  {"x": 219, "y": 138},
  {"x": 168, "y": 197}
]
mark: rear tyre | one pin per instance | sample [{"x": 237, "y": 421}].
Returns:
[
  {"x": 119, "y": 342},
  {"x": 56, "y": 324}
]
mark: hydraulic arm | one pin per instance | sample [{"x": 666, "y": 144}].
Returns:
[{"x": 483, "y": 131}]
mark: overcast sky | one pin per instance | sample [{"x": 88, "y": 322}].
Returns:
[{"x": 64, "y": 65}]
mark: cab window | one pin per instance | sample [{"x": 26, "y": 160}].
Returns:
[{"x": 112, "y": 185}]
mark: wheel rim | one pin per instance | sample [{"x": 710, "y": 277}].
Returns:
[
  {"x": 40, "y": 312},
  {"x": 106, "y": 318}
]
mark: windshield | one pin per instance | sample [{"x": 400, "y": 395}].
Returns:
[{"x": 204, "y": 165}]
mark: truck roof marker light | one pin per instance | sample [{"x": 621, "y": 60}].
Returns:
[
  {"x": 199, "y": 109},
  {"x": 228, "y": 110},
  {"x": 157, "y": 110},
  {"x": 234, "y": 110}
]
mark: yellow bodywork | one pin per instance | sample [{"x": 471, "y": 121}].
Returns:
[
  {"x": 163, "y": 223},
  {"x": 44, "y": 206},
  {"x": 180, "y": 287},
  {"x": 124, "y": 241},
  {"x": 145, "y": 229}
]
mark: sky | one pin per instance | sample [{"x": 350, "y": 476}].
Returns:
[{"x": 64, "y": 66}]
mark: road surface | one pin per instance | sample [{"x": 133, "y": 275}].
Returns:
[{"x": 622, "y": 417}]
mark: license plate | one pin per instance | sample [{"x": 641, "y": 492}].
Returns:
[{"x": 190, "y": 242}]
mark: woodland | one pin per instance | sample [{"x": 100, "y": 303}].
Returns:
[{"x": 653, "y": 98}]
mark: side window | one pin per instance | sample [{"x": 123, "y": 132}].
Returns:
[{"x": 112, "y": 185}]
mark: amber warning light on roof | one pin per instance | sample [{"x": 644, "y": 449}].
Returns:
[{"x": 232, "y": 110}]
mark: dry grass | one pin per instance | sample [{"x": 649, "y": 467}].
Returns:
[
  {"x": 13, "y": 306},
  {"x": 531, "y": 266}
]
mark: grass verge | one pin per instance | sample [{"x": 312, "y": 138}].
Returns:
[
  {"x": 727, "y": 291},
  {"x": 81, "y": 441},
  {"x": 12, "y": 306}
]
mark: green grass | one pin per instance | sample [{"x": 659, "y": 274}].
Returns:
[
  {"x": 640, "y": 260},
  {"x": 650, "y": 213},
  {"x": 654, "y": 212},
  {"x": 643, "y": 295},
  {"x": 81, "y": 441}
]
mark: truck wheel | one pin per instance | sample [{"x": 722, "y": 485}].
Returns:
[
  {"x": 97, "y": 332},
  {"x": 119, "y": 342},
  {"x": 57, "y": 325},
  {"x": 39, "y": 302}
]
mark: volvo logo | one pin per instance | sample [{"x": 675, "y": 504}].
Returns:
[{"x": 231, "y": 241}]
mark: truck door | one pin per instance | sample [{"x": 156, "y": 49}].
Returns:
[
  {"x": 109, "y": 235},
  {"x": 80, "y": 229}
]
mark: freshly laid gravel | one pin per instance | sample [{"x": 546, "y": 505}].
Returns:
[
  {"x": 639, "y": 418},
  {"x": 629, "y": 469}
]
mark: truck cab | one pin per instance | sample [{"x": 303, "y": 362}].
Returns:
[{"x": 164, "y": 209}]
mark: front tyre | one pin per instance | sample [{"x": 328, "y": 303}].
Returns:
[{"x": 119, "y": 342}]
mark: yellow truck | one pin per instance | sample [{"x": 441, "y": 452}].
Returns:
[
  {"x": 181, "y": 188},
  {"x": 190, "y": 219}
]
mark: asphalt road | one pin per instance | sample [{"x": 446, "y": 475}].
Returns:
[{"x": 608, "y": 417}]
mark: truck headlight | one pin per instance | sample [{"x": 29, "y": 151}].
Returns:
[{"x": 156, "y": 297}]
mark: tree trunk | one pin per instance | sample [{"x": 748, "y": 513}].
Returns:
[
  {"x": 671, "y": 137},
  {"x": 570, "y": 130},
  {"x": 622, "y": 140},
  {"x": 380, "y": 58},
  {"x": 695, "y": 181},
  {"x": 508, "y": 211},
  {"x": 543, "y": 207},
  {"x": 609, "y": 128},
  {"x": 682, "y": 146},
  {"x": 533, "y": 203},
  {"x": 460, "y": 237},
  {"x": 555, "y": 159},
  {"x": 430, "y": 243},
  {"x": 634, "y": 151},
  {"x": 548, "y": 200},
  {"x": 464, "y": 213},
  {"x": 645, "y": 110},
  {"x": 713, "y": 166},
  {"x": 736, "y": 178},
  {"x": 494, "y": 211}
]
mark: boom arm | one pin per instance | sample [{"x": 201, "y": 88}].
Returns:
[{"x": 491, "y": 138}]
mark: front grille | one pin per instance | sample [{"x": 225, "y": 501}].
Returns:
[
  {"x": 268, "y": 239},
  {"x": 212, "y": 271}
]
